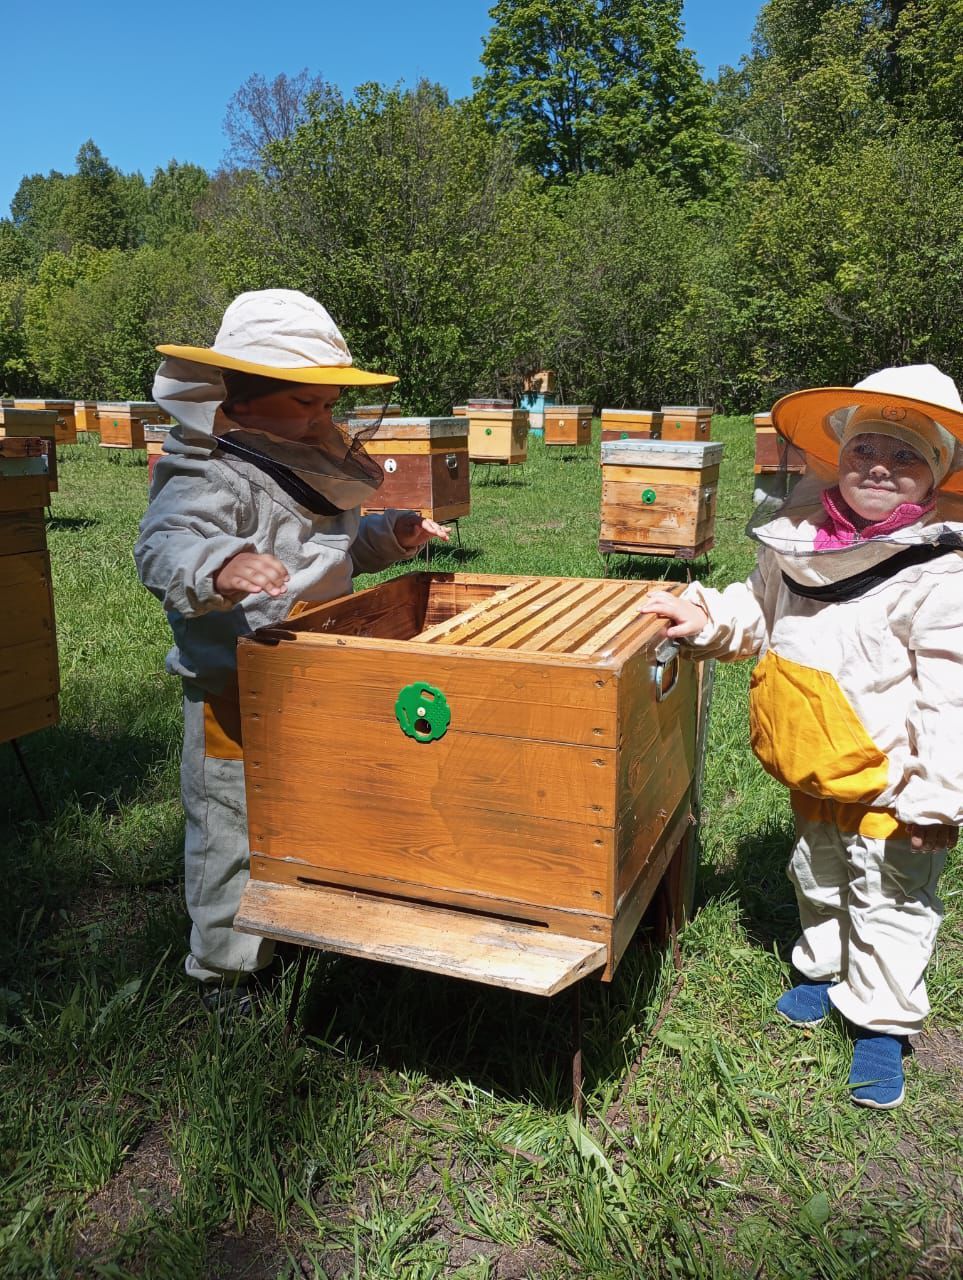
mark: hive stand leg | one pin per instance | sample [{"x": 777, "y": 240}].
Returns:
[
  {"x": 296, "y": 993},
  {"x": 29, "y": 780},
  {"x": 578, "y": 1098},
  {"x": 457, "y": 527}
]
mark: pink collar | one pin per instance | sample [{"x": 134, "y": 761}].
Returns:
[{"x": 844, "y": 527}]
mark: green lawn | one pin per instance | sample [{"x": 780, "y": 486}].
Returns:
[{"x": 421, "y": 1127}]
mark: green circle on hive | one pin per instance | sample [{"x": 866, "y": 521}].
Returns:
[
  {"x": 488, "y": 431},
  {"x": 423, "y": 712},
  {"x": 648, "y": 496}
]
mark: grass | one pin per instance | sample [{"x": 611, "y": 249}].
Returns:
[{"x": 421, "y": 1127}]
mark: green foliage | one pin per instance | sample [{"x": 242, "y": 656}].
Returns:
[
  {"x": 582, "y": 86},
  {"x": 172, "y": 201}
]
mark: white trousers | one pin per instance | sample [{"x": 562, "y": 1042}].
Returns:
[
  {"x": 216, "y": 854},
  {"x": 869, "y": 914}
]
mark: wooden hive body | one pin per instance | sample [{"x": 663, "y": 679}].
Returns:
[
  {"x": 154, "y": 440},
  {"x": 85, "y": 415},
  {"x": 65, "y": 424},
  {"x": 149, "y": 412},
  {"x": 498, "y": 435},
  {"x": 425, "y": 461},
  {"x": 555, "y": 796},
  {"x": 631, "y": 424},
  {"x": 567, "y": 424},
  {"x": 19, "y": 424},
  {"x": 120, "y": 426},
  {"x": 29, "y": 677},
  {"x": 774, "y": 453},
  {"x": 371, "y": 412},
  {"x": 659, "y": 497},
  {"x": 686, "y": 422}
]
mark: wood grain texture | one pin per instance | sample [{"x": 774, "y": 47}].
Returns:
[
  {"x": 22, "y": 531},
  {"x": 27, "y": 717},
  {"x": 23, "y": 493},
  {"x": 432, "y": 939},
  {"x": 662, "y": 453}
]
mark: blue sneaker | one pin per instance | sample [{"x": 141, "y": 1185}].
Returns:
[
  {"x": 876, "y": 1078},
  {"x": 806, "y": 1005}
]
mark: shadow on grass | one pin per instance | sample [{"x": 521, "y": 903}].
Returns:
[
  {"x": 756, "y": 875},
  {"x": 56, "y": 524},
  {"x": 652, "y": 568},
  {"x": 496, "y": 474},
  {"x": 445, "y": 557},
  {"x": 507, "y": 1043}
]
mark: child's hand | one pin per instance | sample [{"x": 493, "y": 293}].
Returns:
[
  {"x": 687, "y": 618},
  {"x": 413, "y": 530},
  {"x": 932, "y": 839},
  {"x": 249, "y": 573}
]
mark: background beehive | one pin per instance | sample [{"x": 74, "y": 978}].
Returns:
[
  {"x": 85, "y": 415},
  {"x": 120, "y": 426},
  {"x": 631, "y": 424},
  {"x": 65, "y": 425},
  {"x": 154, "y": 439},
  {"x": 686, "y": 422},
  {"x": 547, "y": 800},
  {"x": 372, "y": 412},
  {"x": 659, "y": 497},
  {"x": 568, "y": 424},
  {"x": 498, "y": 435},
  {"x": 29, "y": 680},
  {"x": 425, "y": 463},
  {"x": 19, "y": 424},
  {"x": 773, "y": 451}
]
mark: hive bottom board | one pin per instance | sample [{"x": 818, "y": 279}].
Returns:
[{"x": 651, "y": 549}]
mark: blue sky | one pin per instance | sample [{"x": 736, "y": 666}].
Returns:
[{"x": 151, "y": 82}]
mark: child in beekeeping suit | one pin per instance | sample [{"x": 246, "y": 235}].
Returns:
[
  {"x": 254, "y": 505},
  {"x": 856, "y": 611}
]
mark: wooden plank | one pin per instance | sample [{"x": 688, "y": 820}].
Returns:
[
  {"x": 661, "y": 453},
  {"x": 635, "y": 899},
  {"x": 650, "y": 477},
  {"x": 432, "y": 939},
  {"x": 22, "y": 532},
  {"x": 682, "y": 550},
  {"x": 574, "y": 924},
  {"x": 471, "y": 624},
  {"x": 626, "y": 616},
  {"x": 28, "y": 717},
  {"x": 537, "y": 700},
  {"x": 392, "y": 610},
  {"x": 440, "y": 630},
  {"x": 28, "y": 672},
  {"x": 580, "y": 618},
  {"x": 401, "y": 446},
  {"x": 23, "y": 493},
  {"x": 527, "y": 629}
]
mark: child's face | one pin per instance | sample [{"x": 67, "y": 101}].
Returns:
[
  {"x": 302, "y": 414},
  {"x": 877, "y": 474}
]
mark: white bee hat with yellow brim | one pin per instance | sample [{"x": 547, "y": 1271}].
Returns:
[
  {"x": 281, "y": 333},
  {"x": 915, "y": 403}
]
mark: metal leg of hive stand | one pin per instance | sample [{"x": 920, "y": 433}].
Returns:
[
  {"x": 457, "y": 533},
  {"x": 296, "y": 993},
  {"x": 28, "y": 779},
  {"x": 578, "y": 1097}
]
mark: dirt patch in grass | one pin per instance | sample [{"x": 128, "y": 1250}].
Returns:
[
  {"x": 940, "y": 1052},
  {"x": 255, "y": 1255},
  {"x": 147, "y": 1180}
]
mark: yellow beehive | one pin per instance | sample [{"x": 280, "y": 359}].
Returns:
[
  {"x": 686, "y": 422},
  {"x": 119, "y": 425},
  {"x": 515, "y": 760},
  {"x": 659, "y": 498},
  {"x": 85, "y": 415},
  {"x": 498, "y": 435},
  {"x": 66, "y": 426},
  {"x": 631, "y": 424}
]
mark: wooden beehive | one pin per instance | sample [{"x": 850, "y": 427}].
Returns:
[
  {"x": 631, "y": 424},
  {"x": 425, "y": 463},
  {"x": 29, "y": 679},
  {"x": 482, "y": 405},
  {"x": 541, "y": 383},
  {"x": 65, "y": 423},
  {"x": 20, "y": 424},
  {"x": 372, "y": 412},
  {"x": 659, "y": 498},
  {"x": 120, "y": 426},
  {"x": 498, "y": 435},
  {"x": 686, "y": 422},
  {"x": 774, "y": 453},
  {"x": 154, "y": 440},
  {"x": 149, "y": 412},
  {"x": 478, "y": 775},
  {"x": 459, "y": 411},
  {"x": 567, "y": 424},
  {"x": 85, "y": 415}
]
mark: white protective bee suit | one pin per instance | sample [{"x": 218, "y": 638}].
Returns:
[
  {"x": 207, "y": 506},
  {"x": 856, "y": 705}
]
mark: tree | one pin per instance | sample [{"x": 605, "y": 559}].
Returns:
[
  {"x": 173, "y": 199},
  {"x": 94, "y": 212},
  {"x": 260, "y": 114},
  {"x": 589, "y": 86}
]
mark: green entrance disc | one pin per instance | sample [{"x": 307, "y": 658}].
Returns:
[
  {"x": 648, "y": 496},
  {"x": 624, "y": 435},
  {"x": 423, "y": 712},
  {"x": 488, "y": 431}
]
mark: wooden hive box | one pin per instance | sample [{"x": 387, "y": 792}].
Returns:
[
  {"x": 29, "y": 677},
  {"x": 459, "y": 411},
  {"x": 540, "y": 383},
  {"x": 370, "y": 412},
  {"x": 659, "y": 498},
  {"x": 567, "y": 424},
  {"x": 119, "y": 426},
  {"x": 20, "y": 424},
  {"x": 154, "y": 439},
  {"x": 65, "y": 423},
  {"x": 472, "y": 774},
  {"x": 631, "y": 424},
  {"x": 498, "y": 435},
  {"x": 425, "y": 461},
  {"x": 686, "y": 422},
  {"x": 774, "y": 453},
  {"x": 149, "y": 412},
  {"x": 85, "y": 415},
  {"x": 481, "y": 405}
]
